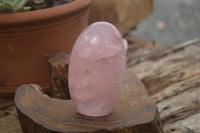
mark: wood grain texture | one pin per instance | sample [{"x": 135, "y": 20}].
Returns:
[
  {"x": 58, "y": 65},
  {"x": 134, "y": 112},
  {"x": 172, "y": 78}
]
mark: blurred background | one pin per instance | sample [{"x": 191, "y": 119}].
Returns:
[
  {"x": 155, "y": 32},
  {"x": 172, "y": 22}
]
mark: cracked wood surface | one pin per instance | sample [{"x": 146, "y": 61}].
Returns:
[
  {"x": 172, "y": 78},
  {"x": 171, "y": 75}
]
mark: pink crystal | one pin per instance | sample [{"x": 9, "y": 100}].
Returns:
[{"x": 96, "y": 69}]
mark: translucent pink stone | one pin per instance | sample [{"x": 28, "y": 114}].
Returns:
[{"x": 96, "y": 69}]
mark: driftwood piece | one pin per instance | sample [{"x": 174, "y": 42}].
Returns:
[
  {"x": 172, "y": 78},
  {"x": 58, "y": 63},
  {"x": 134, "y": 112}
]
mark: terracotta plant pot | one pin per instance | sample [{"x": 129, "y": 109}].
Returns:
[{"x": 26, "y": 37}]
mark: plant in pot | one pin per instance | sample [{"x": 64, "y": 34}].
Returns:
[{"x": 27, "y": 34}]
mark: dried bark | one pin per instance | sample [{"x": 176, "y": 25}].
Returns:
[
  {"x": 58, "y": 65},
  {"x": 172, "y": 78}
]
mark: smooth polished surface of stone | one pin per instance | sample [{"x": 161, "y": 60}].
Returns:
[{"x": 96, "y": 69}]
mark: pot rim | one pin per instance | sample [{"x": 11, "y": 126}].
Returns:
[{"x": 44, "y": 14}]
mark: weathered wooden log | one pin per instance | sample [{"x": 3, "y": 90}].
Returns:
[
  {"x": 172, "y": 78},
  {"x": 134, "y": 112},
  {"x": 58, "y": 63}
]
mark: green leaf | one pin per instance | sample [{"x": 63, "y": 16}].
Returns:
[{"x": 27, "y": 8}]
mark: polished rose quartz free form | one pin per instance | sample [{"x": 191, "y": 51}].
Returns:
[{"x": 96, "y": 69}]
